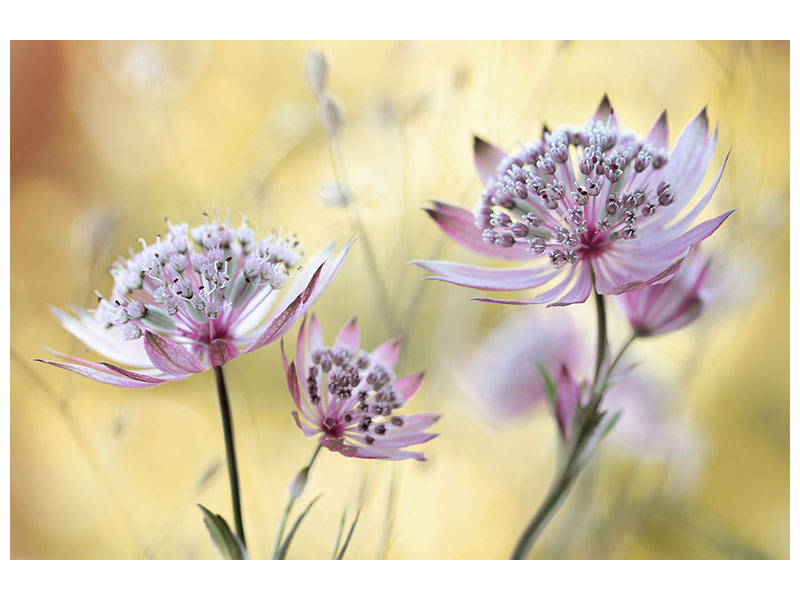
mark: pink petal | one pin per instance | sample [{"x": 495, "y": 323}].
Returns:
[
  {"x": 408, "y": 385},
  {"x": 701, "y": 204},
  {"x": 604, "y": 110},
  {"x": 612, "y": 277},
  {"x": 294, "y": 387},
  {"x": 170, "y": 357},
  {"x": 459, "y": 225},
  {"x": 101, "y": 376},
  {"x": 221, "y": 352},
  {"x": 388, "y": 352},
  {"x": 290, "y": 314},
  {"x": 542, "y": 298},
  {"x": 659, "y": 134},
  {"x": 487, "y": 157},
  {"x": 487, "y": 279},
  {"x": 580, "y": 291},
  {"x": 338, "y": 445},
  {"x": 307, "y": 431},
  {"x": 301, "y": 355},
  {"x": 328, "y": 274},
  {"x": 671, "y": 249},
  {"x": 419, "y": 421},
  {"x": 349, "y": 336},
  {"x": 315, "y": 341},
  {"x": 143, "y": 377},
  {"x": 567, "y": 398}
]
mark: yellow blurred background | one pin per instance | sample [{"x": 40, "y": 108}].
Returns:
[{"x": 110, "y": 138}]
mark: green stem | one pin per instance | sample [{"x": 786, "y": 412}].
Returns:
[
  {"x": 353, "y": 214},
  {"x": 276, "y": 545},
  {"x": 585, "y": 423},
  {"x": 230, "y": 452}
]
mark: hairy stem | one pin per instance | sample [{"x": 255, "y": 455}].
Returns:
[{"x": 230, "y": 452}]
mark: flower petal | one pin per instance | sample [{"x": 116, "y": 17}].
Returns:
[
  {"x": 406, "y": 386},
  {"x": 349, "y": 336},
  {"x": 487, "y": 278},
  {"x": 170, "y": 357},
  {"x": 308, "y": 431},
  {"x": 387, "y": 352},
  {"x": 677, "y": 247},
  {"x": 701, "y": 204},
  {"x": 338, "y": 445},
  {"x": 281, "y": 323},
  {"x": 459, "y": 225},
  {"x": 604, "y": 111},
  {"x": 543, "y": 298},
  {"x": 103, "y": 377},
  {"x": 221, "y": 352},
  {"x": 580, "y": 291},
  {"x": 659, "y": 134},
  {"x": 106, "y": 341},
  {"x": 487, "y": 157}
]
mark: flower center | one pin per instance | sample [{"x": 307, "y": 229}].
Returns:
[
  {"x": 199, "y": 290},
  {"x": 537, "y": 198}
]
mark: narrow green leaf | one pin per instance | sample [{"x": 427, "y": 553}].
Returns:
[
  {"x": 549, "y": 386},
  {"x": 340, "y": 556},
  {"x": 285, "y": 546},
  {"x": 225, "y": 542},
  {"x": 339, "y": 534},
  {"x": 610, "y": 424}
]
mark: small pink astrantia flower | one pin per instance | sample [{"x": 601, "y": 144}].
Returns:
[
  {"x": 193, "y": 300},
  {"x": 595, "y": 205},
  {"x": 664, "y": 307},
  {"x": 351, "y": 397}
]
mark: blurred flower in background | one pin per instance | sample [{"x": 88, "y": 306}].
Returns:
[{"x": 170, "y": 128}]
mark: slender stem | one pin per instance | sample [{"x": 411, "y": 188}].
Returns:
[
  {"x": 230, "y": 452},
  {"x": 614, "y": 362},
  {"x": 356, "y": 222},
  {"x": 276, "y": 545},
  {"x": 602, "y": 337},
  {"x": 585, "y": 423}
]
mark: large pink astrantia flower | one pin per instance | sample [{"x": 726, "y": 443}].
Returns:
[
  {"x": 595, "y": 205},
  {"x": 664, "y": 307},
  {"x": 194, "y": 300},
  {"x": 351, "y": 397}
]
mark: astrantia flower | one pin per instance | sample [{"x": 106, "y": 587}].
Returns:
[
  {"x": 595, "y": 205},
  {"x": 664, "y": 307},
  {"x": 352, "y": 397},
  {"x": 502, "y": 369},
  {"x": 196, "y": 299}
]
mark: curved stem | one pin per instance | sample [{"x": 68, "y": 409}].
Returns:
[
  {"x": 230, "y": 452},
  {"x": 293, "y": 495},
  {"x": 586, "y": 420}
]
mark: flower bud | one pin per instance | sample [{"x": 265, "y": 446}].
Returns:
[
  {"x": 662, "y": 307},
  {"x": 316, "y": 69},
  {"x": 331, "y": 114},
  {"x": 298, "y": 484}
]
